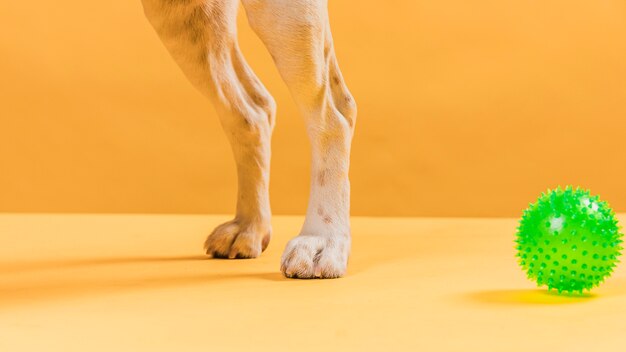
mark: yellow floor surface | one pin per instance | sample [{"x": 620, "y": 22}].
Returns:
[{"x": 141, "y": 282}]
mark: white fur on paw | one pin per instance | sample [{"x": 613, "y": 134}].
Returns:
[
  {"x": 308, "y": 257},
  {"x": 236, "y": 240}
]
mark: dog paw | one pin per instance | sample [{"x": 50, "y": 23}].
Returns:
[
  {"x": 309, "y": 257},
  {"x": 236, "y": 239}
]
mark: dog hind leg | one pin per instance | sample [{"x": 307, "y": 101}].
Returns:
[
  {"x": 297, "y": 35},
  {"x": 201, "y": 36}
]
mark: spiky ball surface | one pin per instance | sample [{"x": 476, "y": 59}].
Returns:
[{"x": 568, "y": 240}]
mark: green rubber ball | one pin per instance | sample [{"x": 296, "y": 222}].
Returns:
[{"x": 568, "y": 240}]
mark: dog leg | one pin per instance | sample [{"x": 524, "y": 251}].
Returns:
[
  {"x": 201, "y": 36},
  {"x": 297, "y": 35}
]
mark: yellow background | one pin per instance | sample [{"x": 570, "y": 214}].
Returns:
[
  {"x": 465, "y": 109},
  {"x": 142, "y": 283}
]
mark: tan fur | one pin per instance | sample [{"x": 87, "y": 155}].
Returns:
[{"x": 201, "y": 35}]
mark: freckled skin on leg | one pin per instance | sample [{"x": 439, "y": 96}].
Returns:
[{"x": 321, "y": 249}]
